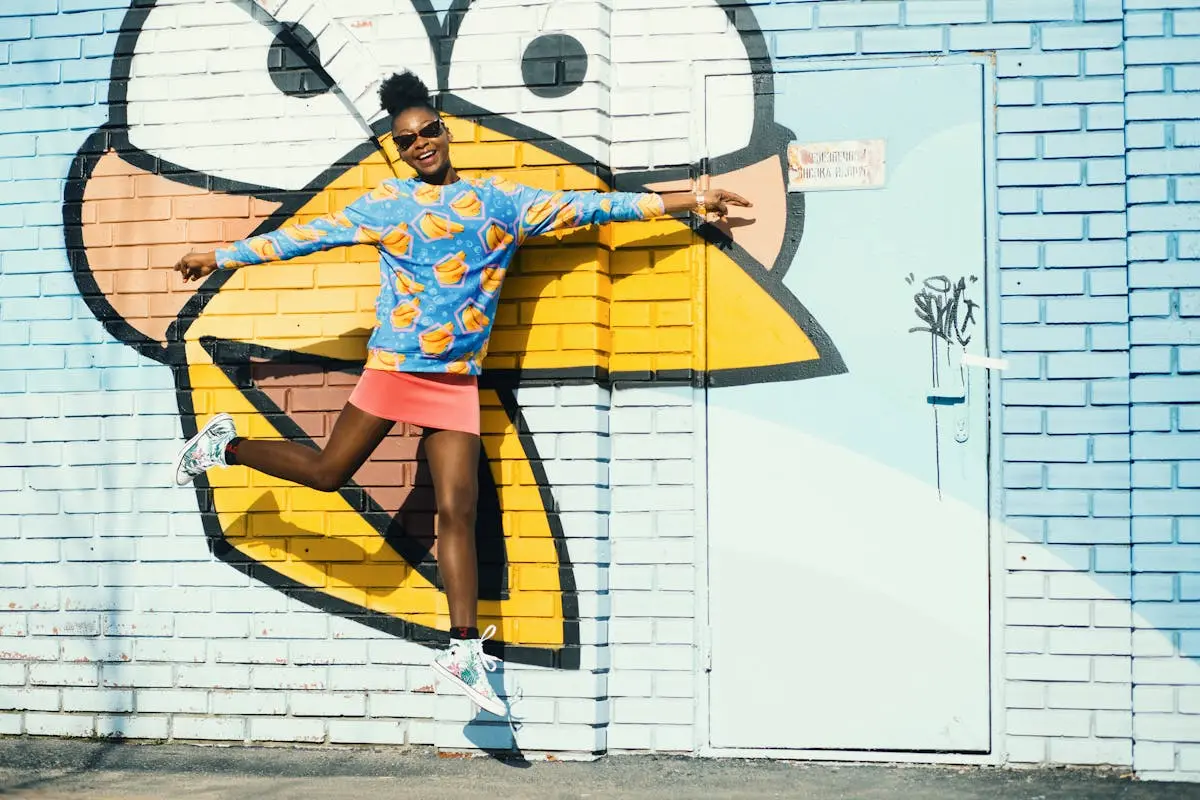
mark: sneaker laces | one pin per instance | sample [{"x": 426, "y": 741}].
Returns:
[
  {"x": 459, "y": 648},
  {"x": 212, "y": 445},
  {"x": 489, "y": 662}
]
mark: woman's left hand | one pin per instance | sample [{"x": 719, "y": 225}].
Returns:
[
  {"x": 703, "y": 202},
  {"x": 718, "y": 201}
]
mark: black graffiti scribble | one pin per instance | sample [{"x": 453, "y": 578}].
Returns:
[{"x": 944, "y": 309}]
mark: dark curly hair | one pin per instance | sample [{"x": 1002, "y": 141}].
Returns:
[{"x": 402, "y": 91}]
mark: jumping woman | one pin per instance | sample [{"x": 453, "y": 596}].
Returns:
[{"x": 444, "y": 244}]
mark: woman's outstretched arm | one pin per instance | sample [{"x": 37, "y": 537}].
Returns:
[
  {"x": 543, "y": 211},
  {"x": 355, "y": 224}
]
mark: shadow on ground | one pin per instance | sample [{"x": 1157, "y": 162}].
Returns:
[
  {"x": 54, "y": 764},
  {"x": 495, "y": 740}
]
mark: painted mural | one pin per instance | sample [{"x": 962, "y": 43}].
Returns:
[{"x": 232, "y": 118}]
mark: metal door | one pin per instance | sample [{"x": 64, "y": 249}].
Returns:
[{"x": 847, "y": 512}]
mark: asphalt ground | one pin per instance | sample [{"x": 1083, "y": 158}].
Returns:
[{"x": 55, "y": 768}]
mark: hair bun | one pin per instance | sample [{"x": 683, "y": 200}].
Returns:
[{"x": 402, "y": 91}]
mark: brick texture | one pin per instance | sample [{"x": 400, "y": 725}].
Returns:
[
  {"x": 121, "y": 622},
  {"x": 1164, "y": 215},
  {"x": 653, "y": 683}
]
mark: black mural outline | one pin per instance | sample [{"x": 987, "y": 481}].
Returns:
[
  {"x": 173, "y": 355},
  {"x": 566, "y": 657},
  {"x": 768, "y": 139}
]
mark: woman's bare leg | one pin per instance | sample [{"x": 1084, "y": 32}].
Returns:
[
  {"x": 453, "y": 458},
  {"x": 355, "y": 436}
]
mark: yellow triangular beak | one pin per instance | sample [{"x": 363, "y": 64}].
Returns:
[{"x": 624, "y": 300}]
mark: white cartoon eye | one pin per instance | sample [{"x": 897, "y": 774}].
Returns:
[
  {"x": 268, "y": 94},
  {"x": 547, "y": 66},
  {"x": 542, "y": 65}
]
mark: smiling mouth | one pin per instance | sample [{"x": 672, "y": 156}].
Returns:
[{"x": 427, "y": 157}]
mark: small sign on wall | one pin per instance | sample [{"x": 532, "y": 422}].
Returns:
[{"x": 825, "y": 166}]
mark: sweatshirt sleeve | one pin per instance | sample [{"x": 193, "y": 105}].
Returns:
[
  {"x": 354, "y": 224},
  {"x": 541, "y": 211}
]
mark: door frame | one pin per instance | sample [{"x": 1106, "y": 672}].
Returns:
[{"x": 996, "y": 573}]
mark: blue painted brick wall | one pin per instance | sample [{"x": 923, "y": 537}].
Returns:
[{"x": 1164, "y": 212}]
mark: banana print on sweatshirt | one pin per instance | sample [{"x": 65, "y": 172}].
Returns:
[{"x": 443, "y": 254}]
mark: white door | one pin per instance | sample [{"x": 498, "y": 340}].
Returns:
[{"x": 848, "y": 525}]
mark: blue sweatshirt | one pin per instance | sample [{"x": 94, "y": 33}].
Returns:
[{"x": 443, "y": 255}]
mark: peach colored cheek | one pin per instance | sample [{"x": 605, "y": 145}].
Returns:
[
  {"x": 762, "y": 184},
  {"x": 137, "y": 225}
]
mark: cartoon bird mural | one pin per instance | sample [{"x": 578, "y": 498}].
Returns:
[{"x": 233, "y": 117}]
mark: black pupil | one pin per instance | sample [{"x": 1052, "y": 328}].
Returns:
[
  {"x": 554, "y": 65},
  {"x": 288, "y": 70}
]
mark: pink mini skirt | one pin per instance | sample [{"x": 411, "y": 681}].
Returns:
[{"x": 442, "y": 401}]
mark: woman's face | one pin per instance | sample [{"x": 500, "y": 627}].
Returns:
[{"x": 423, "y": 141}]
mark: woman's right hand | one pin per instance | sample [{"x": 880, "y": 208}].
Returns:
[{"x": 195, "y": 266}]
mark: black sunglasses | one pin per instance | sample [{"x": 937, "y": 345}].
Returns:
[{"x": 430, "y": 131}]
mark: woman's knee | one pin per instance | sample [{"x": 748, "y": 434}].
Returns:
[
  {"x": 456, "y": 509},
  {"x": 328, "y": 477}
]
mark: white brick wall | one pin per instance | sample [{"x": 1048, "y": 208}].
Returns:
[{"x": 653, "y": 684}]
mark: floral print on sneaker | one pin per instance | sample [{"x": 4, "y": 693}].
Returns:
[
  {"x": 466, "y": 666},
  {"x": 205, "y": 450}
]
